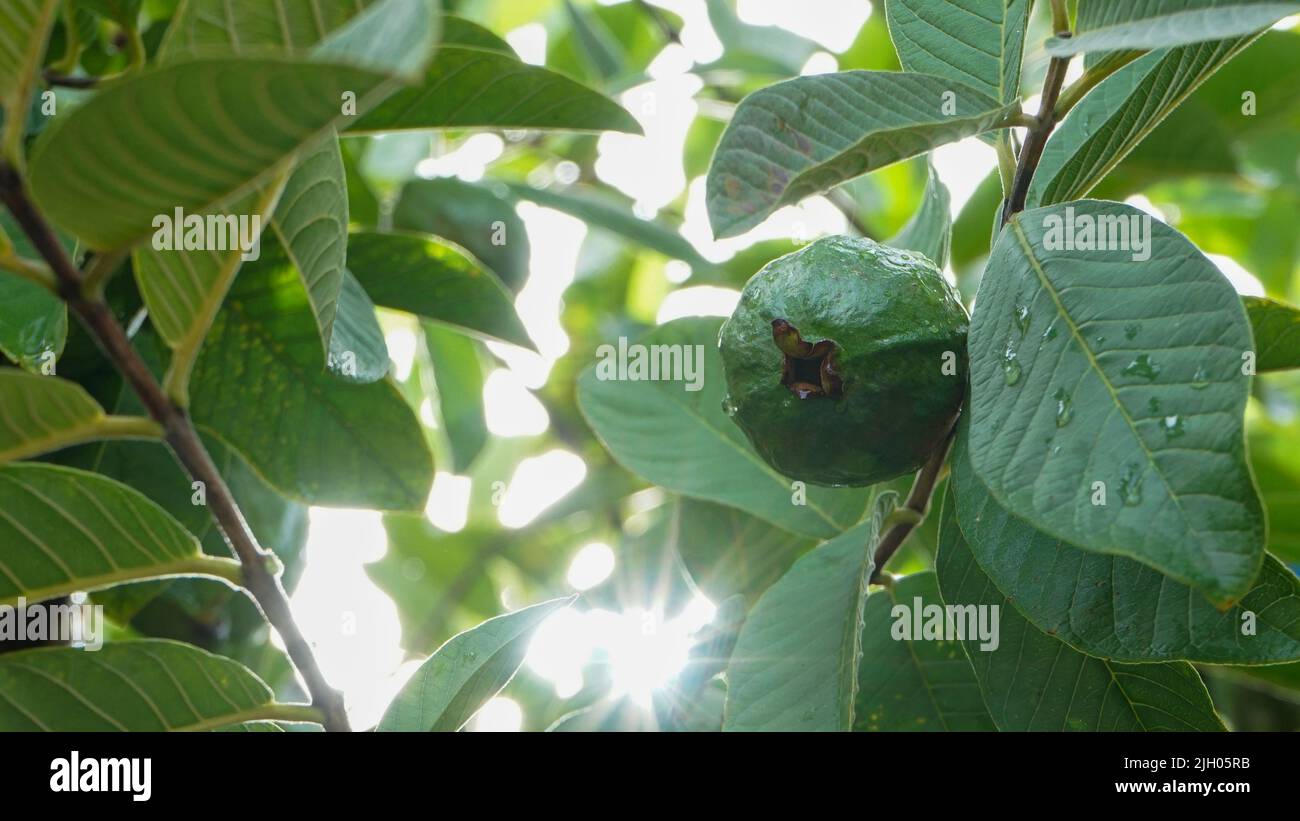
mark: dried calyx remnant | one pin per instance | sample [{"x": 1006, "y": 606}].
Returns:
[{"x": 809, "y": 369}]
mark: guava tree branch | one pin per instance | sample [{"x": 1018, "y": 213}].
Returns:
[
  {"x": 910, "y": 516},
  {"x": 259, "y": 567},
  {"x": 1040, "y": 129}
]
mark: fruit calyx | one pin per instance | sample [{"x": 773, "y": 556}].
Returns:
[{"x": 808, "y": 369}]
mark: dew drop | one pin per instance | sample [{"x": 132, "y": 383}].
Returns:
[
  {"x": 1143, "y": 367},
  {"x": 1131, "y": 331},
  {"x": 728, "y": 407},
  {"x": 1011, "y": 364},
  {"x": 1050, "y": 333},
  {"x": 1154, "y": 404},
  {"x": 1173, "y": 427},
  {"x": 1064, "y": 409},
  {"x": 1200, "y": 379},
  {"x": 1130, "y": 485},
  {"x": 1022, "y": 318}
]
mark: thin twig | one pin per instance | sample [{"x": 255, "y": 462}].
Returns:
[
  {"x": 914, "y": 509},
  {"x": 1041, "y": 129},
  {"x": 179, "y": 432}
]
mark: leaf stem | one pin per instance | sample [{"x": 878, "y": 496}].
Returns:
[
  {"x": 180, "y": 434},
  {"x": 1091, "y": 79},
  {"x": 28, "y": 270},
  {"x": 1036, "y": 140},
  {"x": 913, "y": 512}
]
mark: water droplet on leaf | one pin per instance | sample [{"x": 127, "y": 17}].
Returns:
[
  {"x": 1064, "y": 410},
  {"x": 1142, "y": 367}
]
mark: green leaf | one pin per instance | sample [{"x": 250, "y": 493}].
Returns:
[
  {"x": 758, "y": 49},
  {"x": 603, "y": 210},
  {"x": 1114, "y": 607},
  {"x": 437, "y": 281},
  {"x": 392, "y": 36},
  {"x": 709, "y": 457},
  {"x": 457, "y": 31},
  {"x": 807, "y": 135},
  {"x": 795, "y": 665},
  {"x": 358, "y": 352},
  {"x": 977, "y": 42},
  {"x": 1086, "y": 370},
  {"x": 1121, "y": 24},
  {"x": 311, "y": 224},
  {"x": 1276, "y": 327},
  {"x": 33, "y": 322},
  {"x": 260, "y": 385},
  {"x": 164, "y": 156},
  {"x": 24, "y": 29},
  {"x": 909, "y": 683},
  {"x": 65, "y": 530},
  {"x": 599, "y": 47},
  {"x": 1118, "y": 114},
  {"x": 929, "y": 231},
  {"x": 183, "y": 289},
  {"x": 40, "y": 414},
  {"x": 478, "y": 218},
  {"x": 465, "y": 672},
  {"x": 477, "y": 88},
  {"x": 1033, "y": 681},
  {"x": 459, "y": 373},
  {"x": 1272, "y": 458},
  {"x": 131, "y": 686},
  {"x": 730, "y": 553}
]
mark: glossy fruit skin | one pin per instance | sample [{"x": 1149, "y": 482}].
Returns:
[{"x": 892, "y": 318}]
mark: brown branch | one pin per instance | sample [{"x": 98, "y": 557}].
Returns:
[
  {"x": 259, "y": 576},
  {"x": 917, "y": 504},
  {"x": 54, "y": 79},
  {"x": 1039, "y": 131}
]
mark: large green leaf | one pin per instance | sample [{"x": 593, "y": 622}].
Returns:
[
  {"x": 795, "y": 665},
  {"x": 131, "y": 686},
  {"x": 479, "y": 218},
  {"x": 191, "y": 135},
  {"x": 728, "y": 552},
  {"x": 24, "y": 28},
  {"x": 1114, "y": 607},
  {"x": 437, "y": 281},
  {"x": 40, "y": 414},
  {"x": 478, "y": 88},
  {"x": 1272, "y": 457},
  {"x": 975, "y": 42},
  {"x": 1085, "y": 369},
  {"x": 1276, "y": 327},
  {"x": 459, "y": 372},
  {"x": 465, "y": 672},
  {"x": 65, "y": 530},
  {"x": 261, "y": 386},
  {"x": 906, "y": 682},
  {"x": 1118, "y": 114},
  {"x": 1034, "y": 681},
  {"x": 682, "y": 440},
  {"x": 1106, "y": 25},
  {"x": 929, "y": 231},
  {"x": 808, "y": 135},
  {"x": 600, "y": 209}
]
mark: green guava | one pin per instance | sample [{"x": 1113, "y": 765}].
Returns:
[{"x": 846, "y": 361}]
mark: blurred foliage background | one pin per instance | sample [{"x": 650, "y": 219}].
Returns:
[{"x": 606, "y": 237}]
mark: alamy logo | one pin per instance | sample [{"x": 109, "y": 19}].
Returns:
[
  {"x": 1098, "y": 232},
  {"x": 651, "y": 363},
  {"x": 179, "y": 231},
  {"x": 950, "y": 622},
  {"x": 77, "y": 774},
  {"x": 77, "y": 624}
]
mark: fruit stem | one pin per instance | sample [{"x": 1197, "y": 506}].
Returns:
[{"x": 898, "y": 528}]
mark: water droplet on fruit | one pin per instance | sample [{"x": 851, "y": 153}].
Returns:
[
  {"x": 728, "y": 407},
  {"x": 1143, "y": 367},
  {"x": 1064, "y": 410},
  {"x": 1130, "y": 485}
]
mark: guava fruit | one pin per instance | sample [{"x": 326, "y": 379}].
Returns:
[{"x": 846, "y": 361}]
